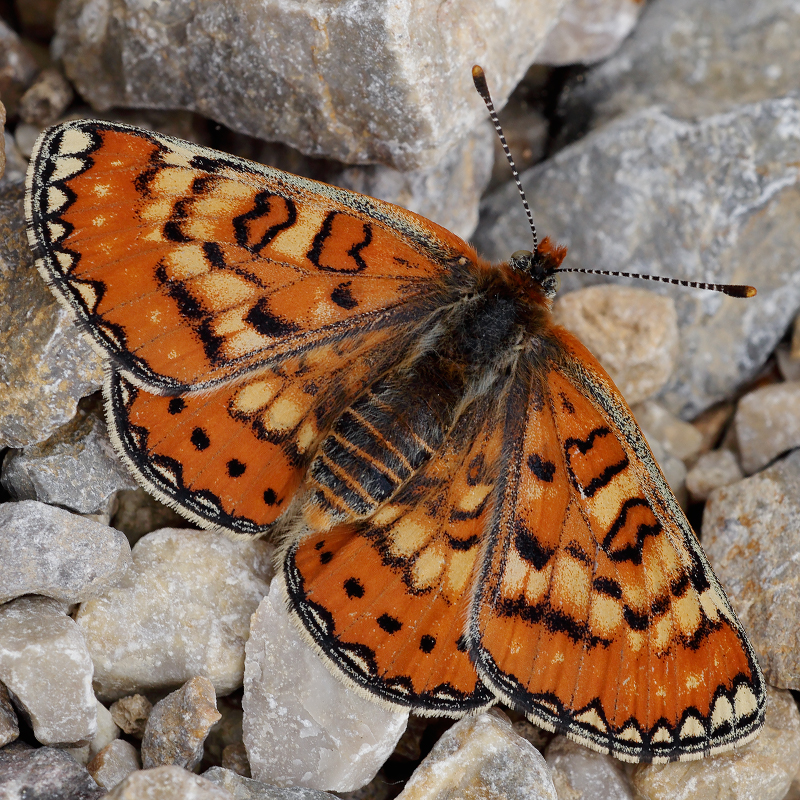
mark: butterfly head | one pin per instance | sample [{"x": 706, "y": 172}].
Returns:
[{"x": 541, "y": 265}]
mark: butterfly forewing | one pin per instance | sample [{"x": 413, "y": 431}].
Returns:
[{"x": 622, "y": 635}]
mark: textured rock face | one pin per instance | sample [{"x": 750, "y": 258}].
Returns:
[
  {"x": 651, "y": 194},
  {"x": 358, "y": 81},
  {"x": 183, "y": 609},
  {"x": 302, "y": 726},
  {"x": 751, "y": 533}
]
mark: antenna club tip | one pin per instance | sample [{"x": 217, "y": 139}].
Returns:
[
  {"x": 479, "y": 79},
  {"x": 735, "y": 290},
  {"x": 477, "y": 72}
]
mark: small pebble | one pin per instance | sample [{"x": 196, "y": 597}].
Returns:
[
  {"x": 243, "y": 788},
  {"x": 114, "y": 763},
  {"x": 9, "y": 725},
  {"x": 712, "y": 470},
  {"x": 167, "y": 783},
  {"x": 767, "y": 424},
  {"x": 46, "y": 99},
  {"x": 179, "y": 724},
  {"x": 584, "y": 774},
  {"x": 481, "y": 757},
  {"x": 678, "y": 438},
  {"x": 131, "y": 714},
  {"x": 234, "y": 758}
]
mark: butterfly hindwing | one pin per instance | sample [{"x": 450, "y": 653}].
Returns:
[
  {"x": 190, "y": 267},
  {"x": 623, "y": 637}
]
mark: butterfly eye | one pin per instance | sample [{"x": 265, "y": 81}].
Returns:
[{"x": 521, "y": 260}]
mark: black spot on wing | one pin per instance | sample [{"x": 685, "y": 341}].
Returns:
[
  {"x": 343, "y": 297},
  {"x": 268, "y": 324},
  {"x": 530, "y": 548},
  {"x": 543, "y": 470},
  {"x": 389, "y": 624},
  {"x": 199, "y": 439}
]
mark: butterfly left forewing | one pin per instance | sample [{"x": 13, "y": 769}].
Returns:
[{"x": 623, "y": 638}]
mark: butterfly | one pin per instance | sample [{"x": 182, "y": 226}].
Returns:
[{"x": 468, "y": 511}]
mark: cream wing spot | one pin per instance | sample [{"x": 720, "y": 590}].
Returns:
[
  {"x": 744, "y": 702},
  {"x": 537, "y": 585},
  {"x": 177, "y": 156},
  {"x": 459, "y": 572},
  {"x": 631, "y": 735},
  {"x": 428, "y": 566},
  {"x": 407, "y": 537},
  {"x": 605, "y": 616},
  {"x": 293, "y": 243},
  {"x": 722, "y": 712},
  {"x": 56, "y": 199},
  {"x": 514, "y": 574},
  {"x": 186, "y": 262},
  {"x": 74, "y": 141},
  {"x": 66, "y": 167},
  {"x": 692, "y": 728},
  {"x": 662, "y": 735},
  {"x": 173, "y": 182},
  {"x": 606, "y": 504},
  {"x": 592, "y": 718},
  {"x": 687, "y": 612},
  {"x": 571, "y": 581}
]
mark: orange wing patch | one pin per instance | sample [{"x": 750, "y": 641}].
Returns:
[
  {"x": 387, "y": 600},
  {"x": 191, "y": 267},
  {"x": 623, "y": 637}
]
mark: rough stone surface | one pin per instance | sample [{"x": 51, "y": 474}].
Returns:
[
  {"x": 632, "y": 332},
  {"x": 178, "y": 726},
  {"x": 2, "y": 140},
  {"x": 114, "y": 763},
  {"x": 182, "y": 609},
  {"x": 227, "y": 732},
  {"x": 678, "y": 438},
  {"x": 788, "y": 362},
  {"x": 9, "y": 725},
  {"x": 46, "y": 100},
  {"x": 15, "y": 164},
  {"x": 767, "y": 424},
  {"x": 481, "y": 757},
  {"x": 76, "y": 468},
  {"x": 761, "y": 770},
  {"x": 712, "y": 470},
  {"x": 166, "y": 783},
  {"x": 44, "y": 774},
  {"x": 17, "y": 68},
  {"x": 588, "y": 31},
  {"x": 751, "y": 534},
  {"x": 45, "y": 665},
  {"x": 302, "y": 726},
  {"x": 303, "y": 74},
  {"x": 131, "y": 714},
  {"x": 247, "y": 789},
  {"x": 46, "y": 366},
  {"x": 655, "y": 195},
  {"x": 107, "y": 730},
  {"x": 139, "y": 513},
  {"x": 693, "y": 59},
  {"x": 48, "y": 551},
  {"x": 579, "y": 773}
]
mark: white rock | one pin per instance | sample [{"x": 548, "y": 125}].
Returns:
[
  {"x": 678, "y": 438},
  {"x": 767, "y": 424},
  {"x": 712, "y": 470},
  {"x": 583, "y": 774},
  {"x": 183, "y": 609},
  {"x": 302, "y": 726},
  {"x": 166, "y": 783},
  {"x": 114, "y": 763},
  {"x": 481, "y": 757},
  {"x": 46, "y": 666}
]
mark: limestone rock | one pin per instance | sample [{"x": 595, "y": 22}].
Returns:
[
  {"x": 15, "y": 164},
  {"x": 247, "y": 789},
  {"x": 131, "y": 714},
  {"x": 46, "y": 99},
  {"x": 588, "y": 31},
  {"x": 712, "y": 470},
  {"x": 762, "y": 769},
  {"x": 302, "y": 726},
  {"x": 481, "y": 757},
  {"x": 582, "y": 774},
  {"x": 17, "y": 68},
  {"x": 182, "y": 609},
  {"x": 751, "y": 534},
  {"x": 45, "y": 665},
  {"x": 114, "y": 763},
  {"x": 48, "y": 551},
  {"x": 381, "y": 82},
  {"x": 9, "y": 726},
  {"x": 76, "y": 468},
  {"x": 44, "y": 773},
  {"x": 178, "y": 726},
  {"x": 2, "y": 140},
  {"x": 632, "y": 332},
  {"x": 678, "y": 438},
  {"x": 767, "y": 424},
  {"x": 651, "y": 194},
  {"x": 166, "y": 783},
  {"x": 46, "y": 366}
]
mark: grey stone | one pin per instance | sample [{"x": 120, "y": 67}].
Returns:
[
  {"x": 179, "y": 724},
  {"x": 46, "y": 99},
  {"x": 652, "y": 194},
  {"x": 693, "y": 59},
  {"x": 788, "y": 363},
  {"x": 380, "y": 82},
  {"x": 46, "y": 366},
  {"x": 166, "y": 783},
  {"x": 247, "y": 789},
  {"x": 481, "y": 757},
  {"x": 2, "y": 140},
  {"x": 15, "y": 165},
  {"x": 139, "y": 513},
  {"x": 579, "y": 773},
  {"x": 678, "y": 438},
  {"x": 302, "y": 726},
  {"x": 18, "y": 68},
  {"x": 44, "y": 774},
  {"x": 48, "y": 551},
  {"x": 632, "y": 332},
  {"x": 75, "y": 468},
  {"x": 760, "y": 770},
  {"x": 131, "y": 714},
  {"x": 767, "y": 424},
  {"x": 9, "y": 726},
  {"x": 47, "y": 669},
  {"x": 234, "y": 758},
  {"x": 588, "y": 31},
  {"x": 712, "y": 470},
  {"x": 182, "y": 609},
  {"x": 751, "y": 534},
  {"x": 25, "y": 137},
  {"x": 114, "y": 763}
]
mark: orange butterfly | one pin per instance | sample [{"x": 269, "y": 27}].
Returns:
[{"x": 470, "y": 511}]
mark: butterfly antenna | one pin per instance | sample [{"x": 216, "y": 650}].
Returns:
[
  {"x": 731, "y": 289},
  {"x": 479, "y": 79}
]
